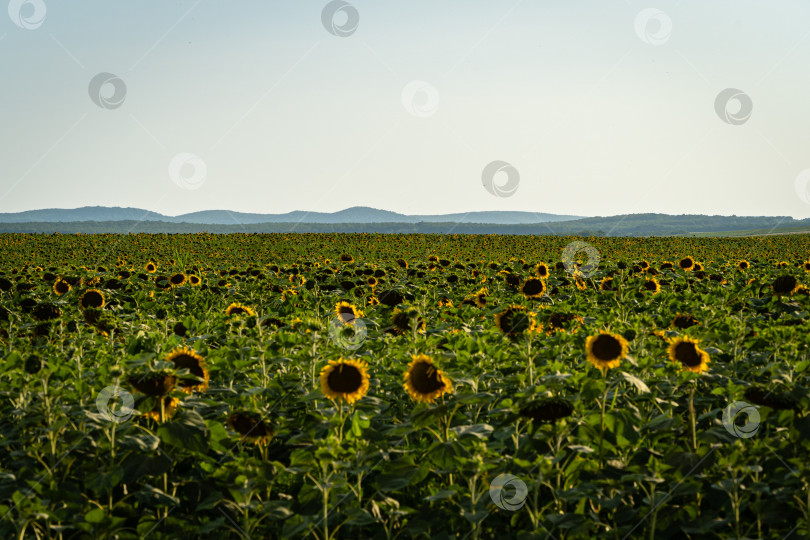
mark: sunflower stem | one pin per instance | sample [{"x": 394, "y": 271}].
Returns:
[
  {"x": 692, "y": 418},
  {"x": 602, "y": 419}
]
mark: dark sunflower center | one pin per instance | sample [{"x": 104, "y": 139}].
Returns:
[
  {"x": 345, "y": 379},
  {"x": 346, "y": 314},
  {"x": 185, "y": 361},
  {"x": 177, "y": 279},
  {"x": 687, "y": 354},
  {"x": 784, "y": 284},
  {"x": 533, "y": 287},
  {"x": 238, "y": 310},
  {"x": 650, "y": 285},
  {"x": 606, "y": 348},
  {"x": 402, "y": 321},
  {"x": 684, "y": 321},
  {"x": 542, "y": 271},
  {"x": 92, "y": 299},
  {"x": 686, "y": 263},
  {"x": 515, "y": 321},
  {"x": 425, "y": 378},
  {"x": 62, "y": 287}
]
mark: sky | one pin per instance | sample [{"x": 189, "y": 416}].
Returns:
[{"x": 592, "y": 108}]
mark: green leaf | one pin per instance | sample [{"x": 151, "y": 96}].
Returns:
[{"x": 635, "y": 381}]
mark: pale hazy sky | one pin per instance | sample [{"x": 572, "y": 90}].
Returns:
[{"x": 601, "y": 107}]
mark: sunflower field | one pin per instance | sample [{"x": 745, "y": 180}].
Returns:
[{"x": 404, "y": 386}]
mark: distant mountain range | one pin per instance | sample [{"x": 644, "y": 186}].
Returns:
[
  {"x": 98, "y": 219},
  {"x": 357, "y": 214}
]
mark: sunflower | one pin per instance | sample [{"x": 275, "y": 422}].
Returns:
[
  {"x": 806, "y": 266},
  {"x": 445, "y": 302},
  {"x": 541, "y": 270},
  {"x": 154, "y": 384},
  {"x": 607, "y": 284},
  {"x": 251, "y": 427},
  {"x": 194, "y": 280},
  {"x": 372, "y": 281},
  {"x": 61, "y": 287},
  {"x": 743, "y": 265},
  {"x": 698, "y": 267},
  {"x": 580, "y": 283},
  {"x": 169, "y": 407},
  {"x": 347, "y": 313},
  {"x": 345, "y": 257},
  {"x": 785, "y": 285},
  {"x": 547, "y": 409},
  {"x": 686, "y": 351},
  {"x": 239, "y": 309},
  {"x": 514, "y": 320},
  {"x": 605, "y": 350},
  {"x": 684, "y": 321},
  {"x": 403, "y": 318},
  {"x": 46, "y": 312},
  {"x": 764, "y": 398},
  {"x": 177, "y": 279},
  {"x": 533, "y": 288},
  {"x": 92, "y": 298},
  {"x": 150, "y": 267},
  {"x": 373, "y": 301},
  {"x": 345, "y": 380},
  {"x": 185, "y": 358},
  {"x": 559, "y": 322},
  {"x": 424, "y": 382},
  {"x": 651, "y": 285},
  {"x": 687, "y": 263}
]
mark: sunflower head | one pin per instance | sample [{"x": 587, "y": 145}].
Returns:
[
  {"x": 177, "y": 279},
  {"x": 424, "y": 382},
  {"x": 651, "y": 285},
  {"x": 347, "y": 312},
  {"x": 607, "y": 284},
  {"x": 480, "y": 298},
  {"x": 61, "y": 287},
  {"x": 194, "y": 280},
  {"x": 345, "y": 257},
  {"x": 154, "y": 384},
  {"x": 684, "y": 321},
  {"x": 765, "y": 398},
  {"x": 92, "y": 298},
  {"x": 514, "y": 321},
  {"x": 687, "y": 263},
  {"x": 743, "y": 265},
  {"x": 541, "y": 270},
  {"x": 533, "y": 288},
  {"x": 251, "y": 427},
  {"x": 406, "y": 319},
  {"x": 169, "y": 408},
  {"x": 185, "y": 358},
  {"x": 560, "y": 322},
  {"x": 547, "y": 409},
  {"x": 605, "y": 350},
  {"x": 785, "y": 285},
  {"x": 150, "y": 267},
  {"x": 688, "y": 354},
  {"x": 239, "y": 309},
  {"x": 345, "y": 380}
]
